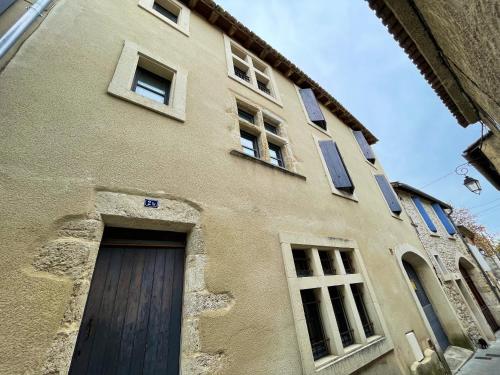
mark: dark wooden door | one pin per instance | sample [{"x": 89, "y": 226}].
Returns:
[
  {"x": 479, "y": 299},
  {"x": 132, "y": 319},
  {"x": 426, "y": 304}
]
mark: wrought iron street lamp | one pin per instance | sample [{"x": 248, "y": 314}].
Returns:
[{"x": 469, "y": 182}]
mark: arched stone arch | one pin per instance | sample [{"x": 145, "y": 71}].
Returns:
[{"x": 431, "y": 286}]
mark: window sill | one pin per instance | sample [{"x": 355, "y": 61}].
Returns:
[
  {"x": 242, "y": 155},
  {"x": 432, "y": 234},
  {"x": 351, "y": 197},
  {"x": 396, "y": 216},
  {"x": 319, "y": 128},
  {"x": 255, "y": 89},
  {"x": 371, "y": 164},
  {"x": 356, "y": 357}
]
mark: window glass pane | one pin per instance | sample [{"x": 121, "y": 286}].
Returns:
[
  {"x": 347, "y": 261},
  {"x": 275, "y": 155},
  {"x": 150, "y": 94},
  {"x": 301, "y": 261},
  {"x": 363, "y": 313},
  {"x": 246, "y": 142},
  {"x": 270, "y": 127},
  {"x": 319, "y": 342},
  {"x": 337, "y": 298},
  {"x": 246, "y": 115},
  {"x": 165, "y": 12},
  {"x": 241, "y": 74},
  {"x": 249, "y": 144},
  {"x": 327, "y": 262}
]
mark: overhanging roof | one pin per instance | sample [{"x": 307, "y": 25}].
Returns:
[
  {"x": 217, "y": 16},
  {"x": 411, "y": 34},
  {"x": 410, "y": 189},
  {"x": 475, "y": 156}
]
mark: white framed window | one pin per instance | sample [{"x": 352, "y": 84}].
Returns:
[
  {"x": 172, "y": 12},
  {"x": 148, "y": 80},
  {"x": 335, "y": 311},
  {"x": 250, "y": 71},
  {"x": 262, "y": 135}
]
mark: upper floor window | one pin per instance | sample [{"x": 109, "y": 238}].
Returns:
[
  {"x": 249, "y": 70},
  {"x": 389, "y": 195},
  {"x": 151, "y": 85},
  {"x": 340, "y": 180},
  {"x": 311, "y": 107},
  {"x": 262, "y": 135},
  {"x": 445, "y": 220},
  {"x": 172, "y": 12},
  {"x": 366, "y": 149}
]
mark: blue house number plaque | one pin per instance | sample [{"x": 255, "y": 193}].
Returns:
[{"x": 153, "y": 203}]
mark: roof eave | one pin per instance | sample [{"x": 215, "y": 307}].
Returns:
[{"x": 410, "y": 189}]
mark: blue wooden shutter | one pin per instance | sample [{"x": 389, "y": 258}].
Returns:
[
  {"x": 388, "y": 193},
  {"x": 423, "y": 213},
  {"x": 4, "y": 4},
  {"x": 365, "y": 147},
  {"x": 336, "y": 167},
  {"x": 444, "y": 218},
  {"x": 312, "y": 107}
]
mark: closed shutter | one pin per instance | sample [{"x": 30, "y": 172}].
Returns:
[
  {"x": 444, "y": 218},
  {"x": 336, "y": 167},
  {"x": 312, "y": 107},
  {"x": 424, "y": 214},
  {"x": 388, "y": 193},
  {"x": 365, "y": 147},
  {"x": 4, "y": 4}
]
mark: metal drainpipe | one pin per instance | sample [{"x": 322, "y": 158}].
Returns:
[{"x": 12, "y": 35}]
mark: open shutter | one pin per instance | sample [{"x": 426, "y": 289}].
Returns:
[
  {"x": 388, "y": 193},
  {"x": 336, "y": 167},
  {"x": 424, "y": 214},
  {"x": 365, "y": 147},
  {"x": 444, "y": 218},
  {"x": 312, "y": 107}
]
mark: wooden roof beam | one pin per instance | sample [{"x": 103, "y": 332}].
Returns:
[{"x": 214, "y": 16}]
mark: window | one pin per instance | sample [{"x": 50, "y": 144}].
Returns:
[
  {"x": 319, "y": 342},
  {"x": 151, "y": 85},
  {"x": 311, "y": 107},
  {"x": 335, "y": 166},
  {"x": 263, "y": 136},
  {"x": 339, "y": 314},
  {"x": 327, "y": 262},
  {"x": 171, "y": 12},
  {"x": 357, "y": 293},
  {"x": 250, "y": 71},
  {"x": 445, "y": 220},
  {"x": 389, "y": 195},
  {"x": 420, "y": 207},
  {"x": 302, "y": 264},
  {"x": 440, "y": 264},
  {"x": 347, "y": 261},
  {"x": 365, "y": 147},
  {"x": 157, "y": 84},
  {"x": 275, "y": 155},
  {"x": 249, "y": 144}
]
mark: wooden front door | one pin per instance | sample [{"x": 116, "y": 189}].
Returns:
[
  {"x": 479, "y": 299},
  {"x": 132, "y": 319},
  {"x": 426, "y": 304}
]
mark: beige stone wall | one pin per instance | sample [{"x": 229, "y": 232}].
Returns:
[
  {"x": 65, "y": 142},
  {"x": 450, "y": 249}
]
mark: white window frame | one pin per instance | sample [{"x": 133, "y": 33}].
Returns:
[
  {"x": 263, "y": 136},
  {"x": 121, "y": 83},
  {"x": 344, "y": 360},
  {"x": 249, "y": 63},
  {"x": 183, "y": 18}
]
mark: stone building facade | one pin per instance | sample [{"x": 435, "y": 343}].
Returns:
[
  {"x": 162, "y": 166},
  {"x": 449, "y": 255}
]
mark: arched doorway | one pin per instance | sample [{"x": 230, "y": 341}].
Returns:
[
  {"x": 478, "y": 297},
  {"x": 426, "y": 304}
]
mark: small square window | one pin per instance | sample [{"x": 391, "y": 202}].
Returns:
[
  {"x": 151, "y": 85},
  {"x": 275, "y": 155},
  {"x": 302, "y": 264},
  {"x": 241, "y": 74},
  {"x": 271, "y": 128},
  {"x": 263, "y": 87},
  {"x": 347, "y": 261},
  {"x": 245, "y": 115},
  {"x": 249, "y": 144},
  {"x": 169, "y": 10}
]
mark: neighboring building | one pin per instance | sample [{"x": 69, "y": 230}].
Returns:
[
  {"x": 177, "y": 194},
  {"x": 455, "y": 45},
  {"x": 475, "y": 302}
]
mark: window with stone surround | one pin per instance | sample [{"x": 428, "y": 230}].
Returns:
[
  {"x": 335, "y": 312},
  {"x": 263, "y": 135},
  {"x": 172, "y": 12},
  {"x": 250, "y": 71}
]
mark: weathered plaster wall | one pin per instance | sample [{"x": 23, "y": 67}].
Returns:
[
  {"x": 449, "y": 249},
  {"x": 468, "y": 33},
  {"x": 65, "y": 141}
]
